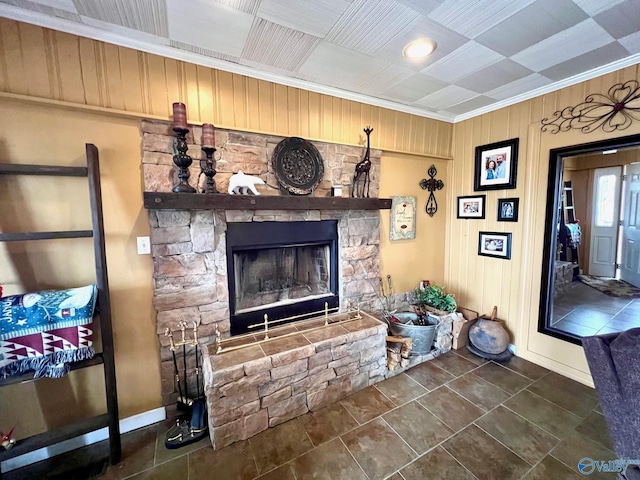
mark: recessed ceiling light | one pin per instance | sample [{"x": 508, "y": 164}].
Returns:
[{"x": 419, "y": 49}]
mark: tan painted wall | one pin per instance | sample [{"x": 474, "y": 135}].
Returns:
[
  {"x": 58, "y": 91},
  {"x": 41, "y": 135},
  {"x": 514, "y": 286},
  {"x": 409, "y": 261}
]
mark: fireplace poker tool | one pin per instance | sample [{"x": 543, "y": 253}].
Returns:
[
  {"x": 192, "y": 426},
  {"x": 381, "y": 287},
  {"x": 385, "y": 308}
]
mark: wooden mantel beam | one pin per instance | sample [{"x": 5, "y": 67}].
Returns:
[{"x": 219, "y": 201}]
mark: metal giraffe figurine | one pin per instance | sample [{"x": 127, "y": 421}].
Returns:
[{"x": 362, "y": 170}]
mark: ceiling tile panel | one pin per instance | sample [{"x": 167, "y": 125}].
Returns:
[
  {"x": 148, "y": 16},
  {"x": 575, "y": 41},
  {"x": 413, "y": 88},
  {"x": 474, "y": 17},
  {"x": 51, "y": 8},
  {"x": 518, "y": 87},
  {"x": 274, "y": 70},
  {"x": 501, "y": 73},
  {"x": 203, "y": 51},
  {"x": 631, "y": 42},
  {"x": 471, "y": 57},
  {"x": 137, "y": 35},
  {"x": 447, "y": 41},
  {"x": 368, "y": 25},
  {"x": 246, "y": 6},
  {"x": 383, "y": 79},
  {"x": 332, "y": 64},
  {"x": 315, "y": 17},
  {"x": 423, "y": 7},
  {"x": 278, "y": 46},
  {"x": 446, "y": 97},
  {"x": 67, "y": 5},
  {"x": 470, "y": 105},
  {"x": 586, "y": 61},
  {"x": 594, "y": 7},
  {"x": 543, "y": 19},
  {"x": 209, "y": 25},
  {"x": 621, "y": 20}
]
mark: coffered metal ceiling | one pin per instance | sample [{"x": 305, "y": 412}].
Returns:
[{"x": 490, "y": 53}]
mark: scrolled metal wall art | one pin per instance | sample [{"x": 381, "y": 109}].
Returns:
[
  {"x": 614, "y": 111},
  {"x": 431, "y": 185}
]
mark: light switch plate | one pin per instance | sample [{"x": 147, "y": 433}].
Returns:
[{"x": 144, "y": 246}]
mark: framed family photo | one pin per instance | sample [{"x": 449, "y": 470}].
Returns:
[
  {"x": 495, "y": 244},
  {"x": 508, "y": 209},
  {"x": 496, "y": 166},
  {"x": 471, "y": 206}
]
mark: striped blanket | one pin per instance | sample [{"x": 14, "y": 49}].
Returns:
[{"x": 45, "y": 331}]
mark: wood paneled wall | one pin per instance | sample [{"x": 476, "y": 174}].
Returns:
[
  {"x": 514, "y": 285},
  {"x": 47, "y": 64}
]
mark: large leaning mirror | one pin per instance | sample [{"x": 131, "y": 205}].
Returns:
[{"x": 592, "y": 240}]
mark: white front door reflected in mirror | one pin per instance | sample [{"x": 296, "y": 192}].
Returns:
[
  {"x": 604, "y": 229},
  {"x": 630, "y": 248}
]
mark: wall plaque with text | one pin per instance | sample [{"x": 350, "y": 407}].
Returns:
[{"x": 403, "y": 218}]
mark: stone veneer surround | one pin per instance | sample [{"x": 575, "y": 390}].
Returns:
[
  {"x": 189, "y": 256},
  {"x": 261, "y": 386}
]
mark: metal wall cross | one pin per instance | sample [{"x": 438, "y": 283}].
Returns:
[{"x": 432, "y": 185}]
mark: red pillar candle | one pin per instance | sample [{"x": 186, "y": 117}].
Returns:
[
  {"x": 180, "y": 115},
  {"x": 208, "y": 135}
]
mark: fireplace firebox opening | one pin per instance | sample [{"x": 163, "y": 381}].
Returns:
[{"x": 281, "y": 269}]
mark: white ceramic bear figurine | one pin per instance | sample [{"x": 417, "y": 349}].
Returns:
[{"x": 240, "y": 183}]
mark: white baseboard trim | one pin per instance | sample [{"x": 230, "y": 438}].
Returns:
[{"x": 126, "y": 425}]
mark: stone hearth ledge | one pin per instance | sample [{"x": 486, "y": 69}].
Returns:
[{"x": 261, "y": 386}]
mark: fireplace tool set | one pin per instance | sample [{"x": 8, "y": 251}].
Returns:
[{"x": 192, "y": 425}]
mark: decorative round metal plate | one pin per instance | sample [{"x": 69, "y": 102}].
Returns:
[{"x": 297, "y": 165}]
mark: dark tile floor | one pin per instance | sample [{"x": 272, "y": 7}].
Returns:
[
  {"x": 456, "y": 417},
  {"x": 585, "y": 311}
]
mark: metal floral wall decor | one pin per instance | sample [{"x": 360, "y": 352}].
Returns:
[
  {"x": 432, "y": 185},
  {"x": 614, "y": 111}
]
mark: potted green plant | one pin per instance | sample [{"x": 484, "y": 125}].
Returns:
[
  {"x": 433, "y": 298},
  {"x": 419, "y": 326}
]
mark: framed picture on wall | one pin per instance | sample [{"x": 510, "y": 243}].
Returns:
[
  {"x": 494, "y": 244},
  {"x": 403, "y": 218},
  {"x": 471, "y": 206},
  {"x": 508, "y": 209},
  {"x": 496, "y": 166}
]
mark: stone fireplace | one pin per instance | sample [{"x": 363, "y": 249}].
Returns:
[
  {"x": 190, "y": 250},
  {"x": 311, "y": 257}
]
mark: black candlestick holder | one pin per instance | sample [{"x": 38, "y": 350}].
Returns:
[
  {"x": 208, "y": 167},
  {"x": 182, "y": 161}
]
